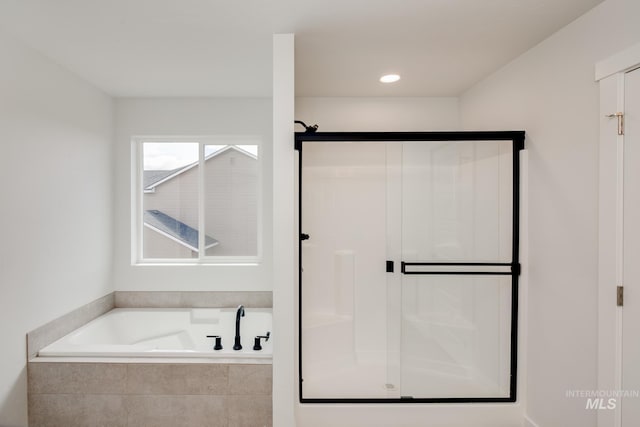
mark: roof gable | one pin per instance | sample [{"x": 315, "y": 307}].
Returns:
[
  {"x": 153, "y": 178},
  {"x": 176, "y": 230}
]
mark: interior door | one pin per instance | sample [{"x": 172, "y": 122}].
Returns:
[{"x": 631, "y": 237}]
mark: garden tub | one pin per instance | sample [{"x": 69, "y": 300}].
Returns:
[{"x": 167, "y": 333}]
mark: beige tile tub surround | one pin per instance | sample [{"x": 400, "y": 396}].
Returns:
[
  {"x": 149, "y": 394},
  {"x": 56, "y": 329},
  {"x": 127, "y": 299}
]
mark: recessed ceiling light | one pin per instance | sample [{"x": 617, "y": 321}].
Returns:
[{"x": 389, "y": 78}]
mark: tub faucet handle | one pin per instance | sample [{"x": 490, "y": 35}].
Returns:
[
  {"x": 256, "y": 342},
  {"x": 218, "y": 338}
]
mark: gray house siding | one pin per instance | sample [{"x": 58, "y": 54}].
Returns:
[
  {"x": 231, "y": 204},
  {"x": 158, "y": 246},
  {"x": 231, "y": 207}
]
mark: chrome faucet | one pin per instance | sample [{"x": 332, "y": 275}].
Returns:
[{"x": 239, "y": 313}]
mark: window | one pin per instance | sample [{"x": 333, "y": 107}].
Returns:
[{"x": 197, "y": 200}]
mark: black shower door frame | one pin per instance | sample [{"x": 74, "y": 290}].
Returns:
[{"x": 517, "y": 138}]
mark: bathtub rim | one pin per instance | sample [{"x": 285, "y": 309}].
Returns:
[
  {"x": 153, "y": 360},
  {"x": 225, "y": 358},
  {"x": 58, "y": 327}
]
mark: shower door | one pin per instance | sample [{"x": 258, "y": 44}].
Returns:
[{"x": 408, "y": 266}]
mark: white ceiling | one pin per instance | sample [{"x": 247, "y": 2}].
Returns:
[{"x": 223, "y": 47}]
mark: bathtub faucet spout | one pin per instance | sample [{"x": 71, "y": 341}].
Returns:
[{"x": 239, "y": 313}]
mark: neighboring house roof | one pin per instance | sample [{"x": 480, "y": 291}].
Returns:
[
  {"x": 176, "y": 230},
  {"x": 153, "y": 178}
]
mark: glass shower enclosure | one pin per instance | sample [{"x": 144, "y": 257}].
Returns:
[{"x": 408, "y": 264}]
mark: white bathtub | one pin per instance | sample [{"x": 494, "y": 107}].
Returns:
[{"x": 166, "y": 333}]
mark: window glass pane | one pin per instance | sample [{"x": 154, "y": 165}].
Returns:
[
  {"x": 344, "y": 298},
  {"x": 170, "y": 200},
  {"x": 231, "y": 200}
]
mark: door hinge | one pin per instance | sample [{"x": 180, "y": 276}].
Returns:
[
  {"x": 620, "y": 117},
  {"x": 620, "y": 296}
]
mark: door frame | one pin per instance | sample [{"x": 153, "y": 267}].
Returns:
[
  {"x": 610, "y": 74},
  {"x": 517, "y": 138}
]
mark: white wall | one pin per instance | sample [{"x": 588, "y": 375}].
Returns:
[
  {"x": 56, "y": 215},
  {"x": 550, "y": 92},
  {"x": 378, "y": 114},
  {"x": 284, "y": 233},
  {"x": 183, "y": 117}
]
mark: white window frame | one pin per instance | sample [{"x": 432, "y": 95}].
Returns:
[{"x": 137, "y": 195}]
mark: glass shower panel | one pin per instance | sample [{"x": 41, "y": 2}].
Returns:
[
  {"x": 344, "y": 292},
  {"x": 408, "y": 269},
  {"x": 455, "y": 336},
  {"x": 457, "y": 201}
]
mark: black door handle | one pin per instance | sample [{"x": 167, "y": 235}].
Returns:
[{"x": 304, "y": 236}]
